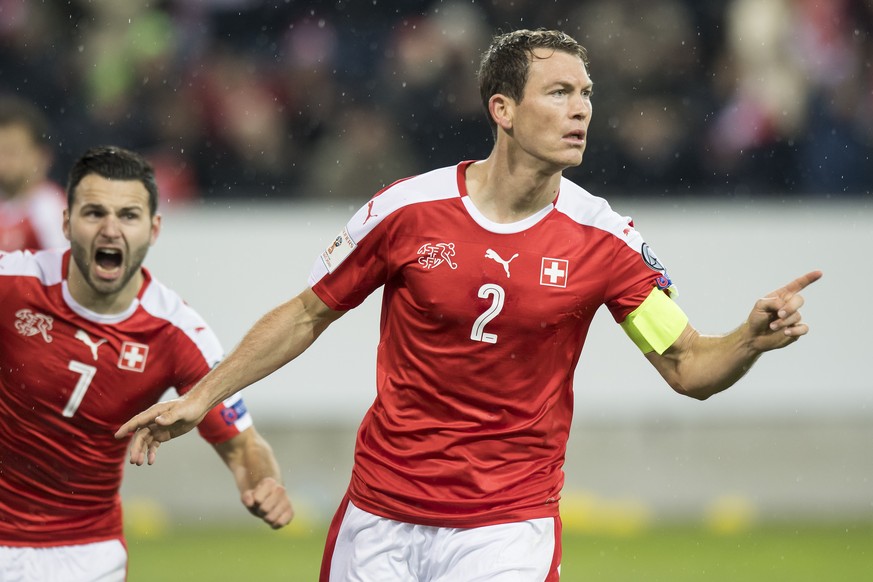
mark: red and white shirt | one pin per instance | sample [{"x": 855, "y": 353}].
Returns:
[
  {"x": 69, "y": 378},
  {"x": 35, "y": 221},
  {"x": 482, "y": 326}
]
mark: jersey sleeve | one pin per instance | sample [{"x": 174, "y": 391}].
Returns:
[
  {"x": 43, "y": 266},
  {"x": 225, "y": 421},
  {"x": 641, "y": 296},
  {"x": 656, "y": 323},
  {"x": 354, "y": 264},
  {"x": 196, "y": 350},
  {"x": 228, "y": 418}
]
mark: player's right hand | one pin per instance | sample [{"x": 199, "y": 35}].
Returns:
[
  {"x": 159, "y": 423},
  {"x": 775, "y": 321}
]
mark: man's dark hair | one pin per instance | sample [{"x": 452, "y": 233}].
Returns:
[
  {"x": 17, "y": 111},
  {"x": 114, "y": 163},
  {"x": 505, "y": 66}
]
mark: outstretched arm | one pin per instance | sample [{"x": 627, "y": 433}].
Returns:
[
  {"x": 700, "y": 366},
  {"x": 257, "y": 475},
  {"x": 277, "y": 338}
]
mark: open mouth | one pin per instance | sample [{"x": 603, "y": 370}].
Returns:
[
  {"x": 577, "y": 136},
  {"x": 108, "y": 259}
]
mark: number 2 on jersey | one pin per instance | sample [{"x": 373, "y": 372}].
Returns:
[
  {"x": 87, "y": 374},
  {"x": 497, "y": 295}
]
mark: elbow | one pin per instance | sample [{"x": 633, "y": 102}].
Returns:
[
  {"x": 701, "y": 396},
  {"x": 695, "y": 392}
]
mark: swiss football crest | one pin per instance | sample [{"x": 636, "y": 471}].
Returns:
[
  {"x": 133, "y": 356},
  {"x": 435, "y": 254},
  {"x": 29, "y": 324},
  {"x": 554, "y": 272}
]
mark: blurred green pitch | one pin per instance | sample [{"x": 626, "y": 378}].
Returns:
[{"x": 676, "y": 553}]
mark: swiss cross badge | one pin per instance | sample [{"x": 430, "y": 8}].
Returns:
[
  {"x": 133, "y": 356},
  {"x": 553, "y": 272}
]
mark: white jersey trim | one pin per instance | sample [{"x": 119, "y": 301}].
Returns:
[
  {"x": 573, "y": 201},
  {"x": 504, "y": 228},
  {"x": 101, "y": 318},
  {"x": 164, "y": 303},
  {"x": 590, "y": 210},
  {"x": 45, "y": 265},
  {"x": 158, "y": 300},
  {"x": 440, "y": 184}
]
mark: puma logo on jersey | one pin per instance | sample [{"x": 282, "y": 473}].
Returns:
[
  {"x": 86, "y": 339},
  {"x": 370, "y": 212},
  {"x": 433, "y": 255},
  {"x": 490, "y": 254}
]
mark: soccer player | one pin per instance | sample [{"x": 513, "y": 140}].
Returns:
[
  {"x": 87, "y": 338},
  {"x": 492, "y": 272},
  {"x": 31, "y": 205}
]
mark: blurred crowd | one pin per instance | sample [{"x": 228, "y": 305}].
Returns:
[{"x": 286, "y": 99}]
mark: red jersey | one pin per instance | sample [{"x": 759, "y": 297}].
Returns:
[
  {"x": 34, "y": 222},
  {"x": 481, "y": 329},
  {"x": 69, "y": 378}
]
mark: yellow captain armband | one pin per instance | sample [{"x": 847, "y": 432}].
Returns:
[{"x": 656, "y": 323}]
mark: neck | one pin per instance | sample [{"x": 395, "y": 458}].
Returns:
[
  {"x": 507, "y": 192},
  {"x": 102, "y": 302}
]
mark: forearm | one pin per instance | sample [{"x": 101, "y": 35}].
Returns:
[
  {"x": 258, "y": 477},
  {"x": 277, "y": 338},
  {"x": 250, "y": 460},
  {"x": 702, "y": 365}
]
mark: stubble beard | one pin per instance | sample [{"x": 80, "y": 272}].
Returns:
[{"x": 133, "y": 259}]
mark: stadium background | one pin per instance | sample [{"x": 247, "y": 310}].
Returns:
[{"x": 737, "y": 133}]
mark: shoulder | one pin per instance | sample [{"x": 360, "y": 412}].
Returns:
[
  {"x": 436, "y": 185},
  {"x": 439, "y": 184},
  {"x": 45, "y": 266},
  {"x": 161, "y": 302},
  {"x": 586, "y": 209},
  {"x": 433, "y": 185}
]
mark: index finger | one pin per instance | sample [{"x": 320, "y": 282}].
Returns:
[
  {"x": 141, "y": 420},
  {"x": 802, "y": 282}
]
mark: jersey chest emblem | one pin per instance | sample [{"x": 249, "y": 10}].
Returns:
[
  {"x": 86, "y": 339},
  {"x": 492, "y": 254},
  {"x": 133, "y": 356},
  {"x": 29, "y": 324},
  {"x": 554, "y": 272},
  {"x": 432, "y": 255}
]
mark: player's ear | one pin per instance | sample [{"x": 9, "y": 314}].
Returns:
[
  {"x": 502, "y": 109},
  {"x": 67, "y": 223},
  {"x": 155, "y": 229}
]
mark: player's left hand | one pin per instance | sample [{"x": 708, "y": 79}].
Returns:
[
  {"x": 269, "y": 501},
  {"x": 775, "y": 320}
]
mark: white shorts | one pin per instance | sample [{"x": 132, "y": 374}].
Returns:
[
  {"x": 97, "y": 562},
  {"x": 367, "y": 548}
]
